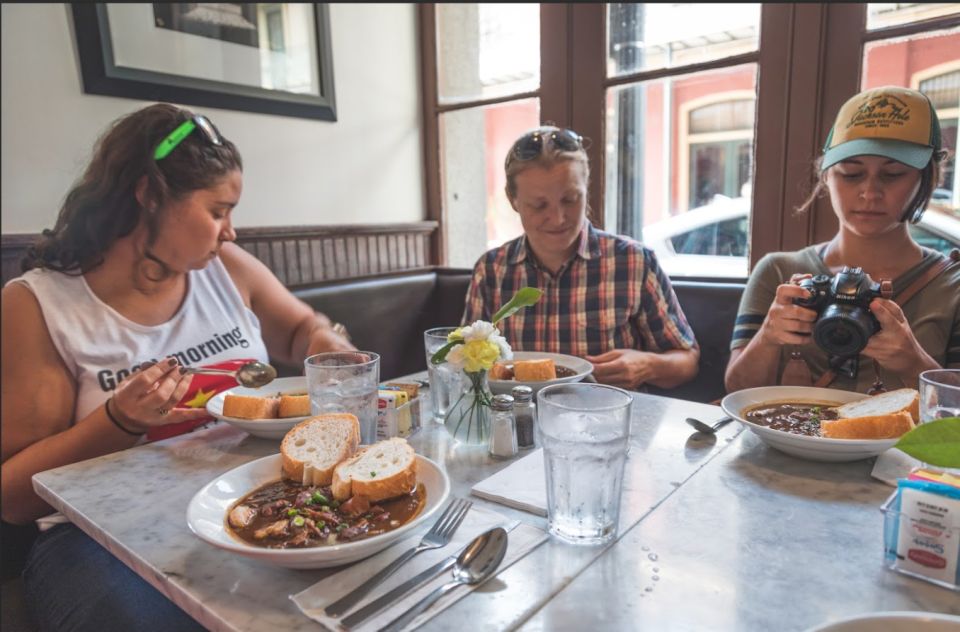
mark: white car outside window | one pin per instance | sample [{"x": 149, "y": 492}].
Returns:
[{"x": 711, "y": 240}]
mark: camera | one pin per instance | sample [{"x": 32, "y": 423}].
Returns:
[{"x": 842, "y": 302}]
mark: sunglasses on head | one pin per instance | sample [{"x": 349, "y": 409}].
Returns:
[
  {"x": 531, "y": 145},
  {"x": 198, "y": 121}
]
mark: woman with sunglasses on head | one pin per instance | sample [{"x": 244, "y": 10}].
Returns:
[
  {"x": 138, "y": 275},
  {"x": 880, "y": 165},
  {"x": 605, "y": 298}
]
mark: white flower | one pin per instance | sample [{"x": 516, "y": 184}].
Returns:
[{"x": 479, "y": 330}]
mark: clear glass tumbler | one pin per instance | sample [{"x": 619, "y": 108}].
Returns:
[
  {"x": 584, "y": 430},
  {"x": 445, "y": 385},
  {"x": 940, "y": 398},
  {"x": 345, "y": 382}
]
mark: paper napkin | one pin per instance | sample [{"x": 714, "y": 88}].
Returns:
[
  {"x": 522, "y": 539},
  {"x": 893, "y": 464},
  {"x": 520, "y": 485}
]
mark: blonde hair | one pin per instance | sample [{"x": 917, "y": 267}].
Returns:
[{"x": 549, "y": 155}]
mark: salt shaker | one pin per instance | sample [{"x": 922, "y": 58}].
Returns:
[
  {"x": 525, "y": 415},
  {"x": 503, "y": 430}
]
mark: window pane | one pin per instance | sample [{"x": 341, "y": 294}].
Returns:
[
  {"x": 643, "y": 36},
  {"x": 487, "y": 50},
  {"x": 929, "y": 62},
  {"x": 884, "y": 14},
  {"x": 473, "y": 145},
  {"x": 679, "y": 162}
]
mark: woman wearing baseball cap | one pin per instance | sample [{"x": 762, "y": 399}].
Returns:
[{"x": 880, "y": 165}]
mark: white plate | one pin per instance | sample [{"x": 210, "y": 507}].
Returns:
[
  {"x": 813, "y": 448},
  {"x": 893, "y": 622},
  {"x": 581, "y": 366},
  {"x": 266, "y": 428},
  {"x": 207, "y": 512}
]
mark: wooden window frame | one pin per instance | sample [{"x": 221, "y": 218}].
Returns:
[{"x": 809, "y": 62}]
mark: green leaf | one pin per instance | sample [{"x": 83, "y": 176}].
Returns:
[
  {"x": 935, "y": 442},
  {"x": 441, "y": 354},
  {"x": 524, "y": 298}
]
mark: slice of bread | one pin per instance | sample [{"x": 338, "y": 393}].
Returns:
[
  {"x": 312, "y": 448},
  {"x": 884, "y": 416},
  {"x": 904, "y": 399},
  {"x": 383, "y": 470},
  {"x": 500, "y": 371},
  {"x": 534, "y": 370},
  {"x": 294, "y": 406},
  {"x": 869, "y": 427},
  {"x": 250, "y": 406}
]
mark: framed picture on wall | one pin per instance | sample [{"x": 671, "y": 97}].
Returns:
[{"x": 273, "y": 58}]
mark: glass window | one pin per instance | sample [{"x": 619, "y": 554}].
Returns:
[
  {"x": 681, "y": 145},
  {"x": 473, "y": 145},
  {"x": 883, "y": 14},
  {"x": 644, "y": 36},
  {"x": 487, "y": 50},
  {"x": 929, "y": 62},
  {"x": 725, "y": 238}
]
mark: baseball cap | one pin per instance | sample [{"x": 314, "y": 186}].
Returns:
[{"x": 890, "y": 121}]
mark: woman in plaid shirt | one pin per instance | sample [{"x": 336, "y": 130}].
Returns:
[{"x": 605, "y": 297}]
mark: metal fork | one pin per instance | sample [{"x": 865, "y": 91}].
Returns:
[{"x": 439, "y": 535}]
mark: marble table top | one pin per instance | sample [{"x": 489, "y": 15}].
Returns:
[{"x": 720, "y": 533}]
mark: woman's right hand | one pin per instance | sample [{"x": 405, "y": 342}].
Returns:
[
  {"x": 787, "y": 323},
  {"x": 147, "y": 398}
]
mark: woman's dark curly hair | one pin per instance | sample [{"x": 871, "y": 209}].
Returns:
[{"x": 102, "y": 206}]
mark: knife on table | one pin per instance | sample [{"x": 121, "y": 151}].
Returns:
[{"x": 394, "y": 595}]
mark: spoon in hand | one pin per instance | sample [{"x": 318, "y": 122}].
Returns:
[
  {"x": 704, "y": 428},
  {"x": 252, "y": 374},
  {"x": 475, "y": 564}
]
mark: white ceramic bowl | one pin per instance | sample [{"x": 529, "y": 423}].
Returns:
[
  {"x": 902, "y": 621},
  {"x": 207, "y": 512},
  {"x": 813, "y": 448},
  {"x": 265, "y": 428},
  {"x": 581, "y": 366}
]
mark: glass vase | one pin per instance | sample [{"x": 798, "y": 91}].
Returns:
[{"x": 468, "y": 419}]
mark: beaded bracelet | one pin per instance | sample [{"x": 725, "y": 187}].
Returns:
[{"x": 116, "y": 423}]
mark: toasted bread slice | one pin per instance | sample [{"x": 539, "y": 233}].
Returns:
[
  {"x": 500, "y": 371},
  {"x": 294, "y": 406},
  {"x": 869, "y": 427},
  {"x": 250, "y": 406},
  {"x": 534, "y": 370},
  {"x": 383, "y": 470},
  {"x": 904, "y": 399},
  {"x": 312, "y": 448}
]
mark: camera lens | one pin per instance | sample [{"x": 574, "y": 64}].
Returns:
[{"x": 843, "y": 330}]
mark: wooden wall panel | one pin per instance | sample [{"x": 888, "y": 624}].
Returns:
[{"x": 306, "y": 255}]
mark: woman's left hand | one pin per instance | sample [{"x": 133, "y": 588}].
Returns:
[
  {"x": 324, "y": 338},
  {"x": 894, "y": 346},
  {"x": 626, "y": 368}
]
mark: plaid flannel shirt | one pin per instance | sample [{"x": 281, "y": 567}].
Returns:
[{"x": 611, "y": 294}]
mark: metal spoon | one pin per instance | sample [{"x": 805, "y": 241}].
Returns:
[
  {"x": 252, "y": 374},
  {"x": 704, "y": 428},
  {"x": 475, "y": 564}
]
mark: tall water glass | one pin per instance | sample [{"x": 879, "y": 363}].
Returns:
[
  {"x": 939, "y": 398},
  {"x": 584, "y": 430},
  {"x": 444, "y": 382},
  {"x": 345, "y": 382}
]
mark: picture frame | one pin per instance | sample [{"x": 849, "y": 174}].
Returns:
[{"x": 169, "y": 52}]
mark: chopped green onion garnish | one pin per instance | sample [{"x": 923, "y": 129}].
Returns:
[
  {"x": 293, "y": 512},
  {"x": 298, "y": 521},
  {"x": 317, "y": 497}
]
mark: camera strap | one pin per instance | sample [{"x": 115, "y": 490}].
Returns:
[{"x": 902, "y": 297}]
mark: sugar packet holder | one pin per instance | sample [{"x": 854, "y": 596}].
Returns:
[
  {"x": 397, "y": 415},
  {"x": 921, "y": 531}
]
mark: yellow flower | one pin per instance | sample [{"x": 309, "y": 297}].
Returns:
[{"x": 479, "y": 355}]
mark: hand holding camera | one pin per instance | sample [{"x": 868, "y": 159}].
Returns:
[{"x": 844, "y": 322}]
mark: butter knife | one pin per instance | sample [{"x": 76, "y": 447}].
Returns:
[{"x": 388, "y": 599}]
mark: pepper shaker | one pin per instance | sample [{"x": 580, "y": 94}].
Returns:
[
  {"x": 525, "y": 415},
  {"x": 503, "y": 430}
]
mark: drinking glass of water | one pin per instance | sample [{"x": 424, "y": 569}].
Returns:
[
  {"x": 584, "y": 430},
  {"x": 939, "y": 394},
  {"x": 345, "y": 382},
  {"x": 444, "y": 382}
]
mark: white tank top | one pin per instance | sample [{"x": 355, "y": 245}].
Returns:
[{"x": 101, "y": 347}]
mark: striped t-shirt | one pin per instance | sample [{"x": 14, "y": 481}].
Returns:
[{"x": 611, "y": 294}]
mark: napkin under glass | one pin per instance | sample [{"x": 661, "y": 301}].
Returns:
[
  {"x": 520, "y": 485},
  {"x": 521, "y": 540}
]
